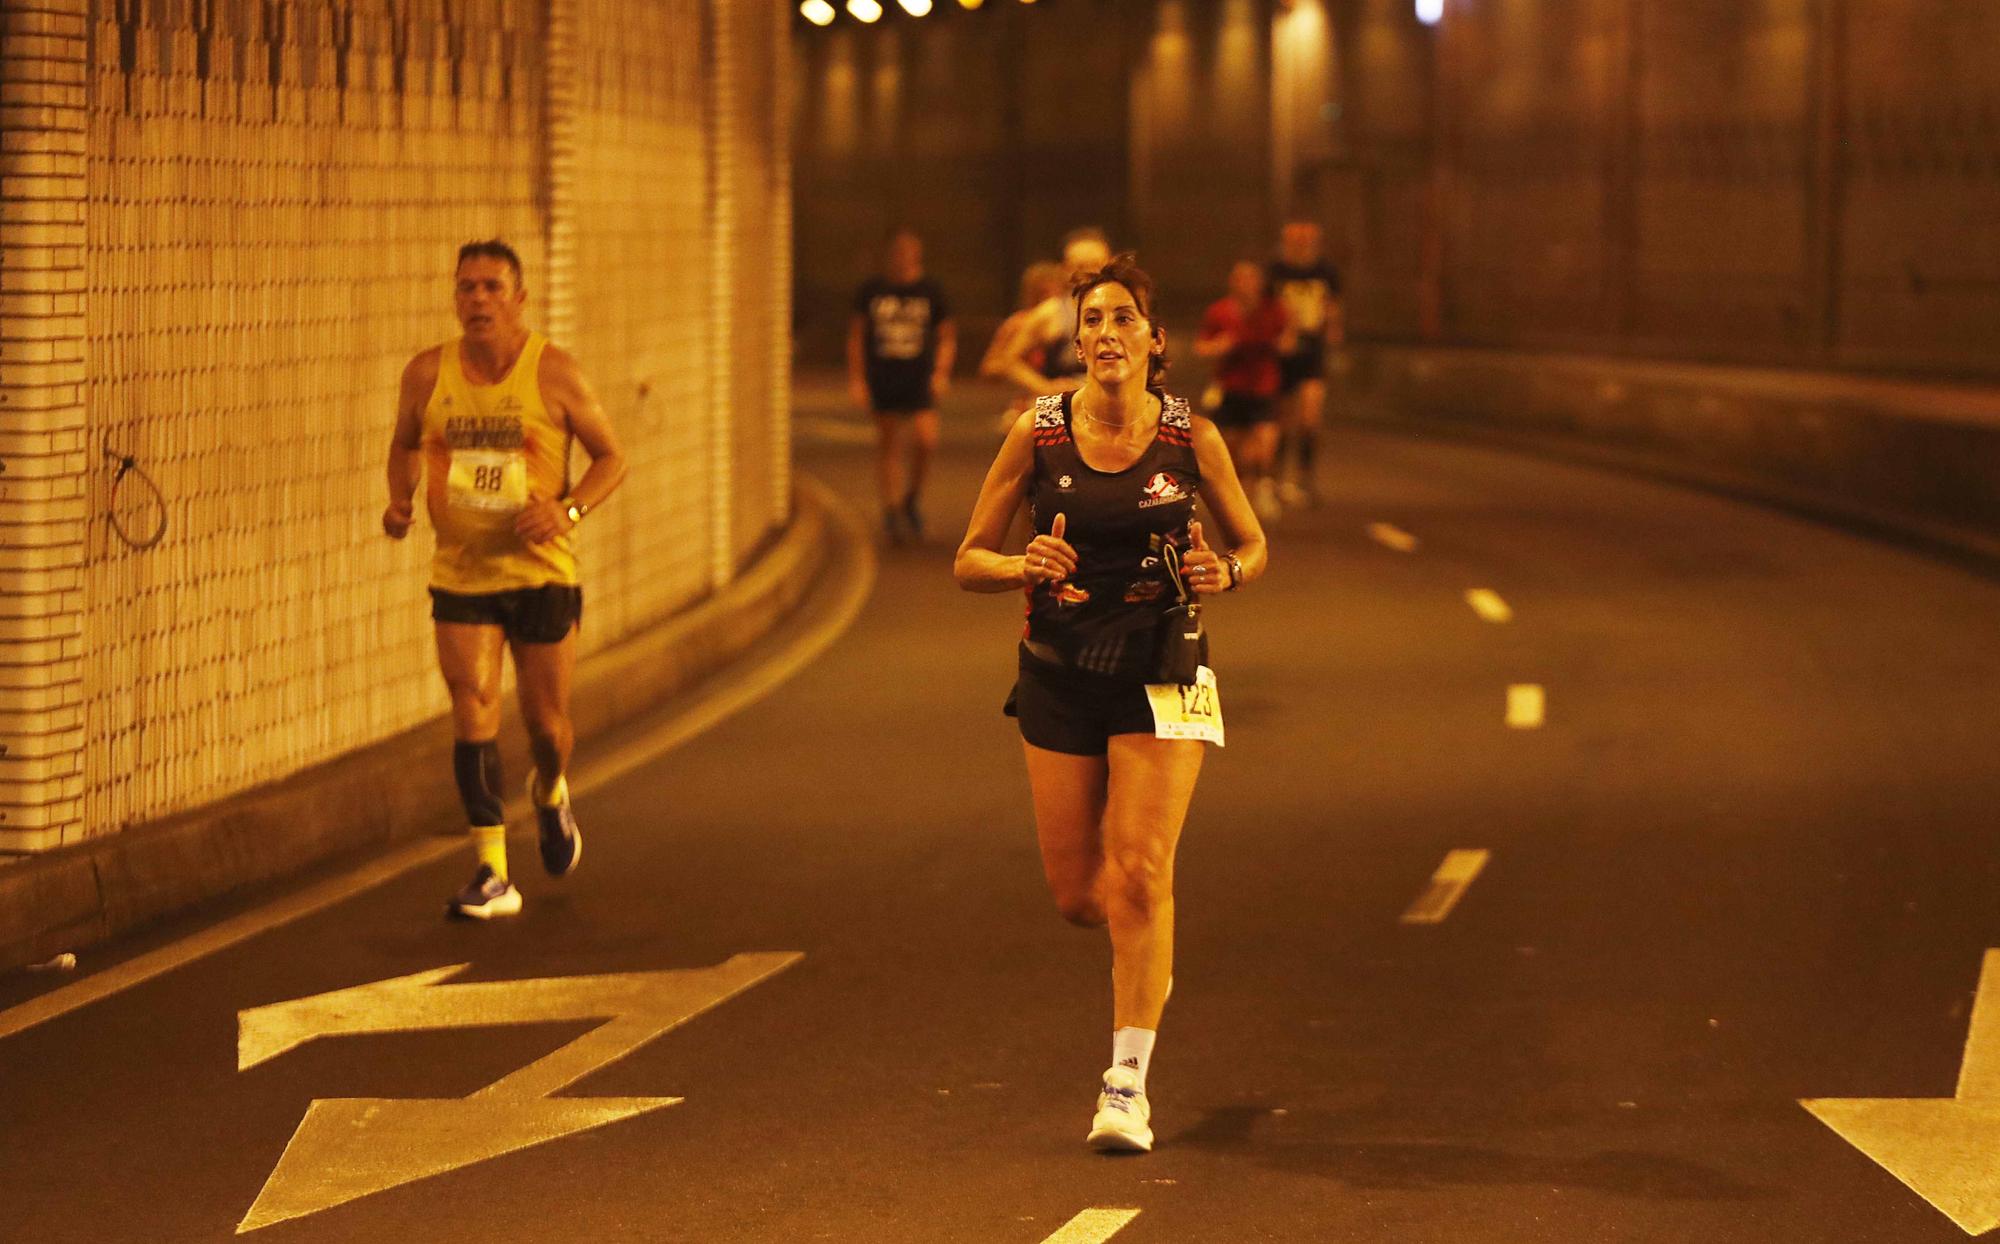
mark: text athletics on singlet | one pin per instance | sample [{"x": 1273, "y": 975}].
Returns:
[{"x": 487, "y": 449}]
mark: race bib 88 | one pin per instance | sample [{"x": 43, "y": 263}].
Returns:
[{"x": 493, "y": 480}]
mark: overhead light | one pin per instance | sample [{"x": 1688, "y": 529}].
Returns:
[
  {"x": 916, "y": 8},
  {"x": 864, "y": 10},
  {"x": 818, "y": 12},
  {"x": 970, "y": 4},
  {"x": 1430, "y": 12}
]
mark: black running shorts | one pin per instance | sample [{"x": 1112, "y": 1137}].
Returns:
[
  {"x": 1069, "y": 710},
  {"x": 900, "y": 396},
  {"x": 1295, "y": 369},
  {"x": 528, "y": 615},
  {"x": 1245, "y": 410}
]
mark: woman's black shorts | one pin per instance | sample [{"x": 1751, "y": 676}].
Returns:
[{"x": 1069, "y": 710}]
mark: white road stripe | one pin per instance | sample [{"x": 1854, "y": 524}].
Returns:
[
  {"x": 1392, "y": 537},
  {"x": 729, "y": 695},
  {"x": 1093, "y": 1226},
  {"x": 1448, "y": 884},
  {"x": 1487, "y": 604},
  {"x": 1526, "y": 705}
]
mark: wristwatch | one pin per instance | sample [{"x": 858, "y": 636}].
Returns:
[
  {"x": 576, "y": 510},
  {"x": 1235, "y": 571}
]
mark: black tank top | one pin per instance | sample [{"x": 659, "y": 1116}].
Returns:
[{"x": 1104, "y": 617}]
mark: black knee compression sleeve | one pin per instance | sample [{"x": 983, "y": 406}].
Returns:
[{"x": 477, "y": 768}]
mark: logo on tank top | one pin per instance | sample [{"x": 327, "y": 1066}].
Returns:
[
  {"x": 1071, "y": 594},
  {"x": 1066, "y": 482},
  {"x": 484, "y": 432},
  {"x": 1162, "y": 489}
]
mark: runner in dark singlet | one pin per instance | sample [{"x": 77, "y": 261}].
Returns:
[
  {"x": 1110, "y": 475},
  {"x": 1308, "y": 287}
]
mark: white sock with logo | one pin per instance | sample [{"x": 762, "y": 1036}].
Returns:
[{"x": 1132, "y": 1048}]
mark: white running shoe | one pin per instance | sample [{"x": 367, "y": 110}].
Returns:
[{"x": 1124, "y": 1118}]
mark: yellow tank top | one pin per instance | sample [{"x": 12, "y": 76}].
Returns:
[{"x": 488, "y": 449}]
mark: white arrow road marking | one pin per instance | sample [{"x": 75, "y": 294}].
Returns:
[
  {"x": 1391, "y": 536},
  {"x": 1946, "y": 1149},
  {"x": 1527, "y": 705},
  {"x": 350, "y": 1147},
  {"x": 1093, "y": 1226},
  {"x": 1487, "y": 604},
  {"x": 1448, "y": 884}
]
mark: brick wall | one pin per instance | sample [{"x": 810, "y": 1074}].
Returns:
[
  {"x": 236, "y": 227},
  {"x": 44, "y": 442}
]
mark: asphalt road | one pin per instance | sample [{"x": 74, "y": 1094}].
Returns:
[{"x": 1746, "y": 858}]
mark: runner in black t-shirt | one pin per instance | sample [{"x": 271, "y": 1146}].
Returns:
[
  {"x": 901, "y": 344},
  {"x": 1308, "y": 287},
  {"x": 1110, "y": 474}
]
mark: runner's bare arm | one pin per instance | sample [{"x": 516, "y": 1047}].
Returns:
[
  {"x": 857, "y": 379},
  {"x": 1012, "y": 363},
  {"x": 406, "y": 462},
  {"x": 1241, "y": 533},
  {"x": 568, "y": 394},
  {"x": 947, "y": 356},
  {"x": 993, "y": 364},
  {"x": 980, "y": 565}
]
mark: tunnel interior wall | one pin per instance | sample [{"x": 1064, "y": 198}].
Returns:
[
  {"x": 253, "y": 229},
  {"x": 1803, "y": 183}
]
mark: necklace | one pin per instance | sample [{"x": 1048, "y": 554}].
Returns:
[{"x": 1077, "y": 405}]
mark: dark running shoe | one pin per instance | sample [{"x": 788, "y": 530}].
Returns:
[{"x": 562, "y": 841}]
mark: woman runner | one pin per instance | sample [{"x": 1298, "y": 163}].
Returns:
[{"x": 1110, "y": 474}]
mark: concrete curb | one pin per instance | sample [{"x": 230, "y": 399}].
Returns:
[
  {"x": 1903, "y": 462},
  {"x": 81, "y": 895}
]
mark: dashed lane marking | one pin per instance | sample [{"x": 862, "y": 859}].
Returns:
[
  {"x": 1393, "y": 537},
  {"x": 1487, "y": 604},
  {"x": 1448, "y": 884},
  {"x": 1093, "y": 1226},
  {"x": 1527, "y": 705}
]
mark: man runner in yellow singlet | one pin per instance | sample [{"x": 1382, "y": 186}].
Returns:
[{"x": 486, "y": 423}]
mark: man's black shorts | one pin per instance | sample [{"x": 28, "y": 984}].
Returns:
[
  {"x": 1295, "y": 369},
  {"x": 903, "y": 392},
  {"x": 528, "y": 615},
  {"x": 1069, "y": 710}
]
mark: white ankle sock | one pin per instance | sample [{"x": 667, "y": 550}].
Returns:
[{"x": 1132, "y": 1048}]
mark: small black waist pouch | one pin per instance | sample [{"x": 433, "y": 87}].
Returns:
[{"x": 1181, "y": 645}]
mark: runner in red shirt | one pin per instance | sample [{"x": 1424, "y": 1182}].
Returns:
[{"x": 1245, "y": 332}]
